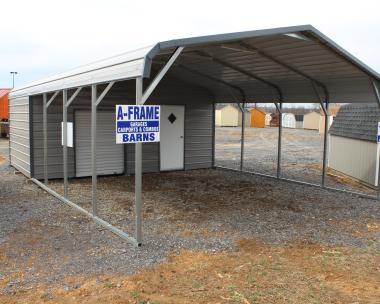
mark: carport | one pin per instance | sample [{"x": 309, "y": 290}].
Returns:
[{"x": 283, "y": 65}]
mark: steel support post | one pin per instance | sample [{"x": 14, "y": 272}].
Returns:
[
  {"x": 64, "y": 131},
  {"x": 44, "y": 127},
  {"x": 93, "y": 148},
  {"x": 138, "y": 169},
  {"x": 325, "y": 144},
  {"x": 242, "y": 137},
  {"x": 279, "y": 145},
  {"x": 377, "y": 96}
]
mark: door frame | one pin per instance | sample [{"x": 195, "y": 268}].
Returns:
[{"x": 184, "y": 140}]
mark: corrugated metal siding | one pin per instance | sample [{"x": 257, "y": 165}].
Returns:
[
  {"x": 19, "y": 134},
  {"x": 198, "y": 136},
  {"x": 109, "y": 155},
  {"x": 353, "y": 157},
  {"x": 55, "y": 151},
  {"x": 150, "y": 157},
  {"x": 123, "y": 93}
]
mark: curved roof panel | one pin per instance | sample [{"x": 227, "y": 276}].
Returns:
[{"x": 292, "y": 64}]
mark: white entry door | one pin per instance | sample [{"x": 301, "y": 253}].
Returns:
[{"x": 172, "y": 122}]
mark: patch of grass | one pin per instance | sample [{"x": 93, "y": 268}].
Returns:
[
  {"x": 135, "y": 294},
  {"x": 196, "y": 285},
  {"x": 254, "y": 296}
]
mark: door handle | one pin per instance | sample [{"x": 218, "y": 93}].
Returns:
[{"x": 181, "y": 136}]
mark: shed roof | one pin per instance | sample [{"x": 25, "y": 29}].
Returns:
[
  {"x": 357, "y": 122},
  {"x": 258, "y": 110},
  {"x": 255, "y": 66},
  {"x": 4, "y": 92}
]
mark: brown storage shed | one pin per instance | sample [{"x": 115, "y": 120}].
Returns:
[{"x": 257, "y": 118}]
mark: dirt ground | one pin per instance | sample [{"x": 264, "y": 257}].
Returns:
[
  {"x": 210, "y": 236},
  {"x": 301, "y": 156}
]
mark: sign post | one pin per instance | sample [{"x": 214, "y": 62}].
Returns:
[{"x": 137, "y": 124}]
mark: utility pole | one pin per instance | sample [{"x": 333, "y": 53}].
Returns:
[{"x": 13, "y": 78}]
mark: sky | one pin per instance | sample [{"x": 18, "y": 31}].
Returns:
[{"x": 40, "y": 38}]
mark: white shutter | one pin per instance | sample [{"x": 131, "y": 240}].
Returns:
[{"x": 109, "y": 155}]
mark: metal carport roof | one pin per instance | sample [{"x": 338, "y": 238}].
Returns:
[{"x": 283, "y": 64}]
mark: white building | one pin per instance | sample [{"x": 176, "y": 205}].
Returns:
[{"x": 353, "y": 147}]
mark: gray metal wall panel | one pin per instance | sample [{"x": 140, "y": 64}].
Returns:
[
  {"x": 198, "y": 126},
  {"x": 109, "y": 155},
  {"x": 55, "y": 151},
  {"x": 150, "y": 156},
  {"x": 198, "y": 136},
  {"x": 19, "y": 134}
]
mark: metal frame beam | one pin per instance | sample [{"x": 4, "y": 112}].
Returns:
[
  {"x": 160, "y": 75},
  {"x": 95, "y": 101},
  {"x": 93, "y": 149},
  {"x": 52, "y": 99},
  {"x": 46, "y": 104},
  {"x": 325, "y": 135},
  {"x": 66, "y": 103},
  {"x": 242, "y": 138},
  {"x": 301, "y": 183},
  {"x": 279, "y": 140},
  {"x": 325, "y": 142},
  {"x": 376, "y": 91},
  {"x": 64, "y": 131},
  {"x": 98, "y": 220},
  {"x": 104, "y": 93},
  {"x": 232, "y": 86},
  {"x": 44, "y": 129},
  {"x": 138, "y": 170},
  {"x": 241, "y": 71},
  {"x": 256, "y": 50},
  {"x": 72, "y": 97}
]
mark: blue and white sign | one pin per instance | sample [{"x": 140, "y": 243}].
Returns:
[
  {"x": 137, "y": 124},
  {"x": 378, "y": 132}
]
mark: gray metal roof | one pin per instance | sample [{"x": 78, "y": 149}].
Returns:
[
  {"x": 256, "y": 66},
  {"x": 357, "y": 121}
]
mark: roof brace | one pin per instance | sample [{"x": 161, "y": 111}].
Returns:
[
  {"x": 240, "y": 90},
  {"x": 161, "y": 74},
  {"x": 376, "y": 90},
  {"x": 278, "y": 107},
  {"x": 52, "y": 99},
  {"x": 264, "y": 54},
  {"x": 104, "y": 93},
  {"x": 319, "y": 98},
  {"x": 242, "y": 71},
  {"x": 71, "y": 99}
]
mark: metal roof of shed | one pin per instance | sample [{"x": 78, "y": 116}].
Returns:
[{"x": 254, "y": 66}]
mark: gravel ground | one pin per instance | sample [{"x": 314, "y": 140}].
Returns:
[
  {"x": 301, "y": 157},
  {"x": 44, "y": 240}
]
